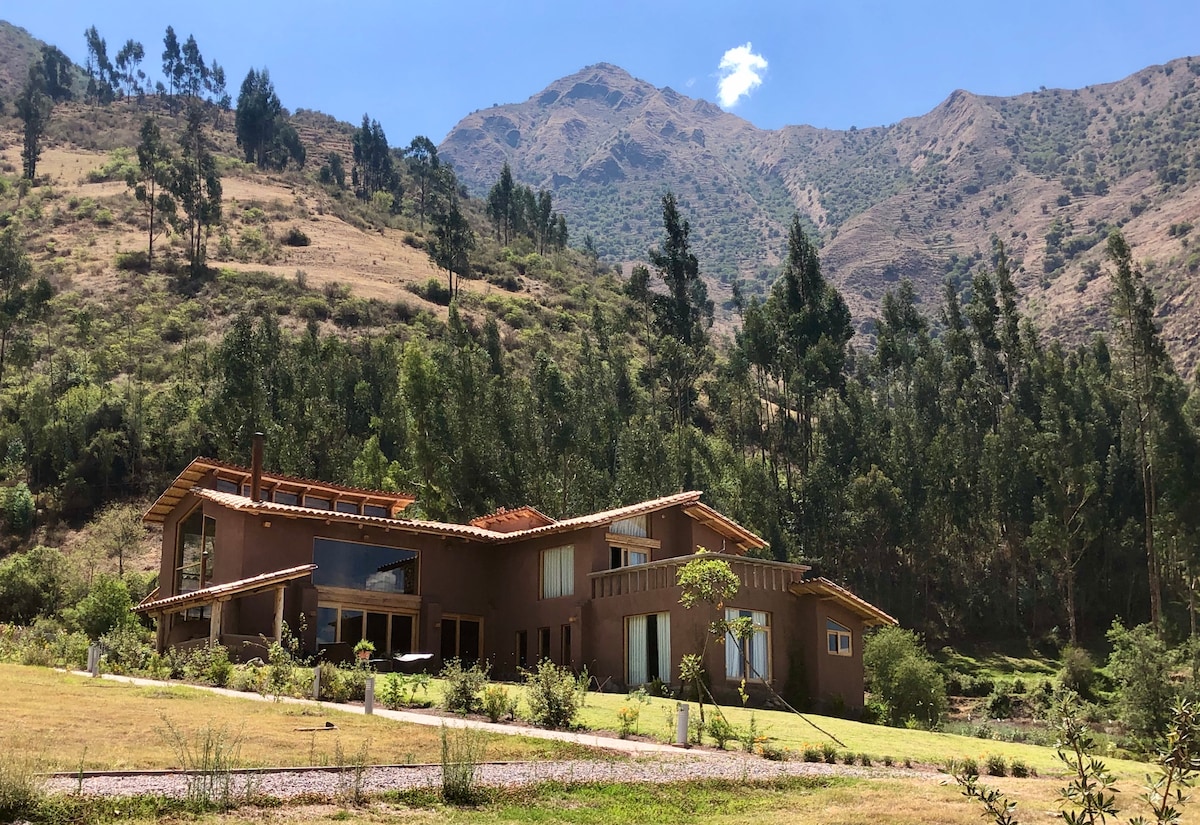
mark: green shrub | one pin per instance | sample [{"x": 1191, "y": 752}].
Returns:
[
  {"x": 829, "y": 751},
  {"x": 996, "y": 765},
  {"x": 463, "y": 684},
  {"x": 333, "y": 684},
  {"x": 34, "y": 583},
  {"x": 1078, "y": 671},
  {"x": 246, "y": 678},
  {"x": 296, "y": 237},
  {"x": 1141, "y": 665},
  {"x": 627, "y": 719},
  {"x": 1018, "y": 768},
  {"x": 137, "y": 261},
  {"x": 864, "y": 759},
  {"x": 127, "y": 648},
  {"x": 1000, "y": 704},
  {"x": 497, "y": 703},
  {"x": 811, "y": 753},
  {"x": 552, "y": 694},
  {"x": 903, "y": 675},
  {"x": 208, "y": 664},
  {"x": 18, "y": 509},
  {"x": 106, "y": 606},
  {"x": 720, "y": 730}
]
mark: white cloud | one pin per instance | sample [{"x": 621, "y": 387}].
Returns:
[{"x": 741, "y": 72}]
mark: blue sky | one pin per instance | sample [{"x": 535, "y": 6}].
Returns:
[{"x": 419, "y": 67}]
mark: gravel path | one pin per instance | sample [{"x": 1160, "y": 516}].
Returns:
[{"x": 326, "y": 782}]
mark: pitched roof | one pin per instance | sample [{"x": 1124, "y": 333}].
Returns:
[
  {"x": 227, "y": 590},
  {"x": 501, "y": 516},
  {"x": 597, "y": 519},
  {"x": 244, "y": 504},
  {"x": 742, "y": 538},
  {"x": 825, "y": 589},
  {"x": 701, "y": 513},
  {"x": 198, "y": 468}
]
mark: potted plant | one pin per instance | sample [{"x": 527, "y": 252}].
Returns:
[{"x": 363, "y": 650}]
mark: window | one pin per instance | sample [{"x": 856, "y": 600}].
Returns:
[
  {"x": 318, "y": 503},
  {"x": 462, "y": 638},
  {"x": 558, "y": 572},
  {"x": 522, "y": 648},
  {"x": 375, "y": 510},
  {"x": 227, "y": 486},
  {"x": 749, "y": 658},
  {"x": 391, "y": 633},
  {"x": 624, "y": 557},
  {"x": 347, "y": 507},
  {"x": 566, "y": 645},
  {"x": 648, "y": 648},
  {"x": 285, "y": 498},
  {"x": 195, "y": 551},
  {"x": 838, "y": 638},
  {"x": 543, "y": 644},
  {"x": 635, "y": 527},
  {"x": 358, "y": 566}
]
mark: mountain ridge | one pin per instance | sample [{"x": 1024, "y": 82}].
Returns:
[{"x": 1048, "y": 172}]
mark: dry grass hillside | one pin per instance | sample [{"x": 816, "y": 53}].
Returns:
[{"x": 95, "y": 216}]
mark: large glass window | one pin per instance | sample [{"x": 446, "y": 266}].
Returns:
[
  {"x": 391, "y": 633},
  {"x": 837, "y": 638},
  {"x": 648, "y": 648},
  {"x": 558, "y": 572},
  {"x": 359, "y": 566},
  {"x": 195, "y": 554},
  {"x": 749, "y": 658}
]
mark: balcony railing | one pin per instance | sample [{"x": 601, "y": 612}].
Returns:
[{"x": 754, "y": 574}]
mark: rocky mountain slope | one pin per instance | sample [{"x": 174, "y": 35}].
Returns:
[{"x": 1048, "y": 172}]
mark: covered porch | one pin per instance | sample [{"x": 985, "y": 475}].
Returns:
[{"x": 215, "y": 598}]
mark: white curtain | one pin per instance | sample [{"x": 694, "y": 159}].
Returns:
[
  {"x": 558, "y": 572},
  {"x": 636, "y": 644},
  {"x": 635, "y": 526},
  {"x": 664, "y": 646},
  {"x": 758, "y": 650},
  {"x": 733, "y": 649}
]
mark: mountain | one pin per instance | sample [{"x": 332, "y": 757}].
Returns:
[{"x": 1047, "y": 172}]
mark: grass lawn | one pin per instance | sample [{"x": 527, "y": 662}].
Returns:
[
  {"x": 875, "y": 740},
  {"x": 1032, "y": 668},
  {"x": 827, "y": 801},
  {"x": 63, "y": 721}
]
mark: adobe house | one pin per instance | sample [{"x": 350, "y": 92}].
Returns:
[{"x": 246, "y": 550}]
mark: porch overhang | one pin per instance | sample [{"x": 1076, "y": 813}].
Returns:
[
  {"x": 223, "y": 592},
  {"x": 826, "y": 590}
]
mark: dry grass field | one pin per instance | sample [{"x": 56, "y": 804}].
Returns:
[{"x": 67, "y": 722}]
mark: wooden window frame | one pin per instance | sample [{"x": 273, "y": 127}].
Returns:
[
  {"x": 838, "y": 633},
  {"x": 458, "y": 619},
  {"x": 364, "y": 609},
  {"x": 746, "y": 664}
]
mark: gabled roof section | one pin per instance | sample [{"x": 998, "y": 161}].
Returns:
[
  {"x": 437, "y": 528},
  {"x": 509, "y": 521},
  {"x": 228, "y": 590},
  {"x": 825, "y": 589},
  {"x": 597, "y": 519},
  {"x": 201, "y": 467},
  {"x": 743, "y": 540}
]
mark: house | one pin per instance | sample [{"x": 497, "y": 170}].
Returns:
[{"x": 246, "y": 550}]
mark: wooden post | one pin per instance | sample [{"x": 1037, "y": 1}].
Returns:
[
  {"x": 160, "y": 637},
  {"x": 214, "y": 623},
  {"x": 279, "y": 614}
]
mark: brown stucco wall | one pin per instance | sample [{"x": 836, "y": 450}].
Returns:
[{"x": 501, "y": 583}]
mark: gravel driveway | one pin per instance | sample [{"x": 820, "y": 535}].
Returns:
[{"x": 329, "y": 782}]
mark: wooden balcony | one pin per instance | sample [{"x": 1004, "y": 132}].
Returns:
[{"x": 755, "y": 574}]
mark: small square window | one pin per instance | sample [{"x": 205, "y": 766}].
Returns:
[{"x": 838, "y": 639}]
